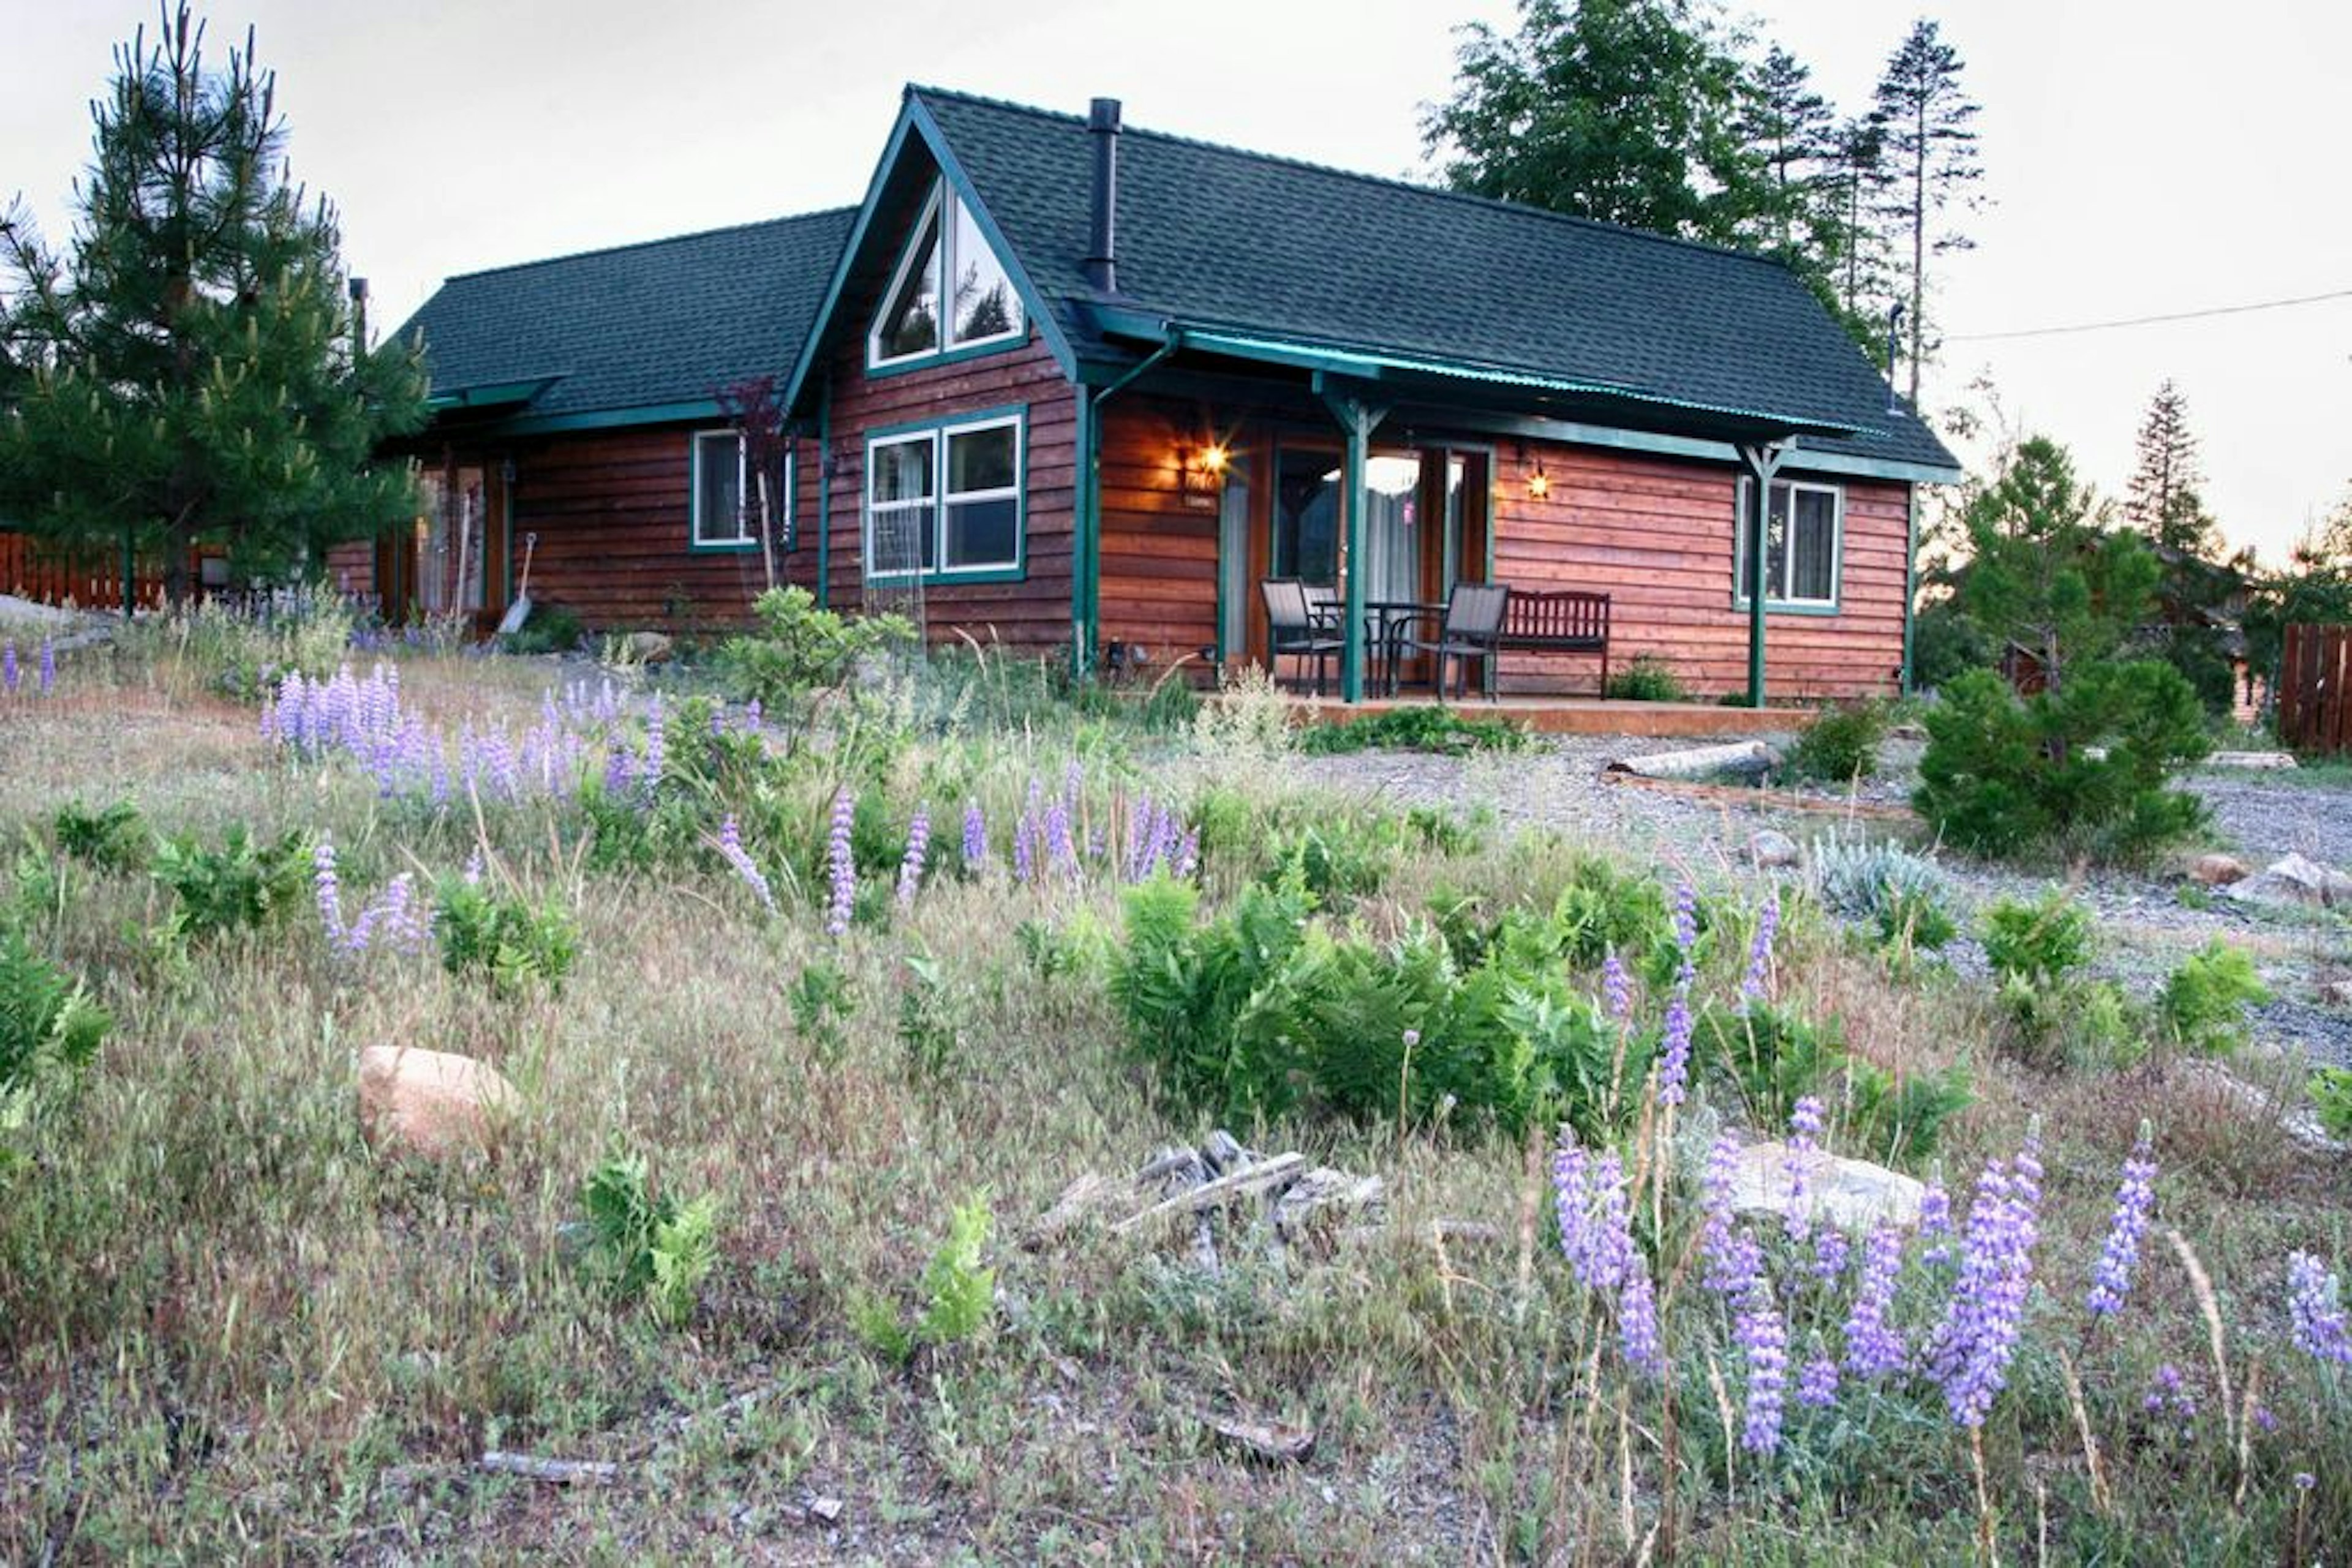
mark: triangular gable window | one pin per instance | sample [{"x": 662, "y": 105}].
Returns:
[{"x": 982, "y": 305}]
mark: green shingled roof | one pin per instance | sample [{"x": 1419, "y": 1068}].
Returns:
[
  {"x": 639, "y": 327},
  {"x": 1215, "y": 237}
]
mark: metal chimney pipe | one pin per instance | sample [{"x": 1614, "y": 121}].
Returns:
[
  {"x": 1102, "y": 238},
  {"x": 1894, "y": 347}
]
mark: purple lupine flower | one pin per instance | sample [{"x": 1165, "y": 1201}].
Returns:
[
  {"x": 1674, "y": 1059},
  {"x": 1936, "y": 1217},
  {"x": 49, "y": 667},
  {"x": 1616, "y": 988},
  {"x": 1804, "y": 1141},
  {"x": 731, "y": 850},
  {"x": 1686, "y": 921},
  {"x": 1759, "y": 950},
  {"x": 1568, "y": 1202},
  {"x": 753, "y": 716},
  {"x": 1763, "y": 1335},
  {"x": 649, "y": 776},
  {"x": 9, "y": 674},
  {"x": 399, "y": 917},
  {"x": 329, "y": 887},
  {"x": 2111, "y": 1280},
  {"x": 1973, "y": 1343},
  {"x": 1637, "y": 1319},
  {"x": 1061, "y": 850},
  {"x": 918, "y": 846},
  {"x": 473, "y": 872},
  {"x": 2315, "y": 1310},
  {"x": 1816, "y": 1383},
  {"x": 1875, "y": 1347},
  {"x": 1715, "y": 1242},
  {"x": 618, "y": 763},
  {"x": 843, "y": 863},
  {"x": 1829, "y": 1252},
  {"x": 975, "y": 837},
  {"x": 1027, "y": 834},
  {"x": 1187, "y": 853},
  {"x": 1736, "y": 1269}
]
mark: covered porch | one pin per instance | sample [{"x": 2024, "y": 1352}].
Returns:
[{"x": 1226, "y": 471}]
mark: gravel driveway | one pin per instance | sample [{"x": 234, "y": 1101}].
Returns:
[{"x": 2148, "y": 921}]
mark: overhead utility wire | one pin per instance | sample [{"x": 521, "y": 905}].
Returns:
[{"x": 2151, "y": 320}]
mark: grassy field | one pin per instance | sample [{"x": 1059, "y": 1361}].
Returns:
[{"x": 229, "y": 1330}]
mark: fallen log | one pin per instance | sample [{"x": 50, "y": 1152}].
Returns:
[
  {"x": 1249, "y": 1178},
  {"x": 1768, "y": 799},
  {"x": 561, "y": 1473},
  {"x": 1738, "y": 757}
]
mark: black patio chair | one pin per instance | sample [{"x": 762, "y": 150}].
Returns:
[
  {"x": 1294, "y": 628},
  {"x": 1471, "y": 628}
]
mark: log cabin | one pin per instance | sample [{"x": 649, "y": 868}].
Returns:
[{"x": 1080, "y": 389}]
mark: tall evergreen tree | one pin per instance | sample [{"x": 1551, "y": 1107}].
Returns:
[
  {"x": 1794, "y": 131},
  {"x": 1930, "y": 164},
  {"x": 2163, "y": 502},
  {"x": 1627, "y": 110},
  {"x": 188, "y": 372},
  {"x": 1857, "y": 174}
]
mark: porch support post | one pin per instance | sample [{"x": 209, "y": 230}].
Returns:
[
  {"x": 825, "y": 493},
  {"x": 1086, "y": 510},
  {"x": 1763, "y": 462},
  {"x": 1910, "y": 578},
  {"x": 1357, "y": 420}
]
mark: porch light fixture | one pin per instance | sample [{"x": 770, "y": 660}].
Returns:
[
  {"x": 1539, "y": 482},
  {"x": 1200, "y": 472}
]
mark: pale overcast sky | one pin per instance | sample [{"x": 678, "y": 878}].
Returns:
[{"x": 2142, "y": 156}]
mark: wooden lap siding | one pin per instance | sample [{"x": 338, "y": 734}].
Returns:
[
  {"x": 1034, "y": 613},
  {"x": 613, "y": 510},
  {"x": 1655, "y": 533},
  {"x": 1159, "y": 554}
]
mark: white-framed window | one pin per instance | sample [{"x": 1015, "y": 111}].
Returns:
[
  {"x": 1804, "y": 535},
  {"x": 722, "y": 518},
  {"x": 950, "y": 291},
  {"x": 945, "y": 501}
]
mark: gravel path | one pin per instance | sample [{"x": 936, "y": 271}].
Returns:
[{"x": 2148, "y": 921}]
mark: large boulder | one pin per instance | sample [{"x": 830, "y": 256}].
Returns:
[
  {"x": 2296, "y": 881},
  {"x": 432, "y": 1103},
  {"x": 1853, "y": 1195},
  {"x": 1771, "y": 849},
  {"x": 650, "y": 648},
  {"x": 2218, "y": 870}
]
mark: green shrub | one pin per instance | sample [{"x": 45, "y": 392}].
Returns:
[
  {"x": 642, "y": 1244},
  {"x": 1648, "y": 678},
  {"x": 1415, "y": 729},
  {"x": 2203, "y": 1006},
  {"x": 551, "y": 629},
  {"x": 800, "y": 648},
  {"x": 958, "y": 1291},
  {"x": 1261, "y": 1012},
  {"x": 2003, "y": 774},
  {"x": 2331, "y": 1100},
  {"x": 2042, "y": 941},
  {"x": 1841, "y": 742},
  {"x": 243, "y": 884},
  {"x": 47, "y": 1020},
  {"x": 513, "y": 942},
  {"x": 114, "y": 838}
]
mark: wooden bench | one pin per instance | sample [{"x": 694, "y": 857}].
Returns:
[{"x": 1562, "y": 621}]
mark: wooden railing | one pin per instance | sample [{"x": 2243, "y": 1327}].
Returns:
[
  {"x": 89, "y": 579},
  {"x": 2314, "y": 691}
]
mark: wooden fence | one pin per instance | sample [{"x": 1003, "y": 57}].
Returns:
[
  {"x": 2314, "y": 691},
  {"x": 91, "y": 580}
]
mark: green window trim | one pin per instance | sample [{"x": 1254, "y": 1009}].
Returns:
[
  {"x": 1782, "y": 606},
  {"x": 939, "y": 430}
]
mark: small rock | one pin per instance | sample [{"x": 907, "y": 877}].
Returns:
[
  {"x": 2218, "y": 870},
  {"x": 2297, "y": 880},
  {"x": 1771, "y": 848},
  {"x": 825, "y": 1509},
  {"x": 2258, "y": 761},
  {"x": 650, "y": 648},
  {"x": 432, "y": 1103},
  {"x": 2337, "y": 994},
  {"x": 1851, "y": 1195},
  {"x": 1273, "y": 1440}
]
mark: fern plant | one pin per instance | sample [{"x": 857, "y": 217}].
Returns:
[
  {"x": 114, "y": 838},
  {"x": 513, "y": 942},
  {"x": 2204, "y": 1003},
  {"x": 643, "y": 1243},
  {"x": 243, "y": 884}
]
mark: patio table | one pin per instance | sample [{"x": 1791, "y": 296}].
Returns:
[{"x": 1385, "y": 622}]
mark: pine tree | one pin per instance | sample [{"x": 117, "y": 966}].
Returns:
[
  {"x": 1930, "y": 165},
  {"x": 1858, "y": 265},
  {"x": 2163, "y": 502},
  {"x": 1794, "y": 131},
  {"x": 189, "y": 374}
]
